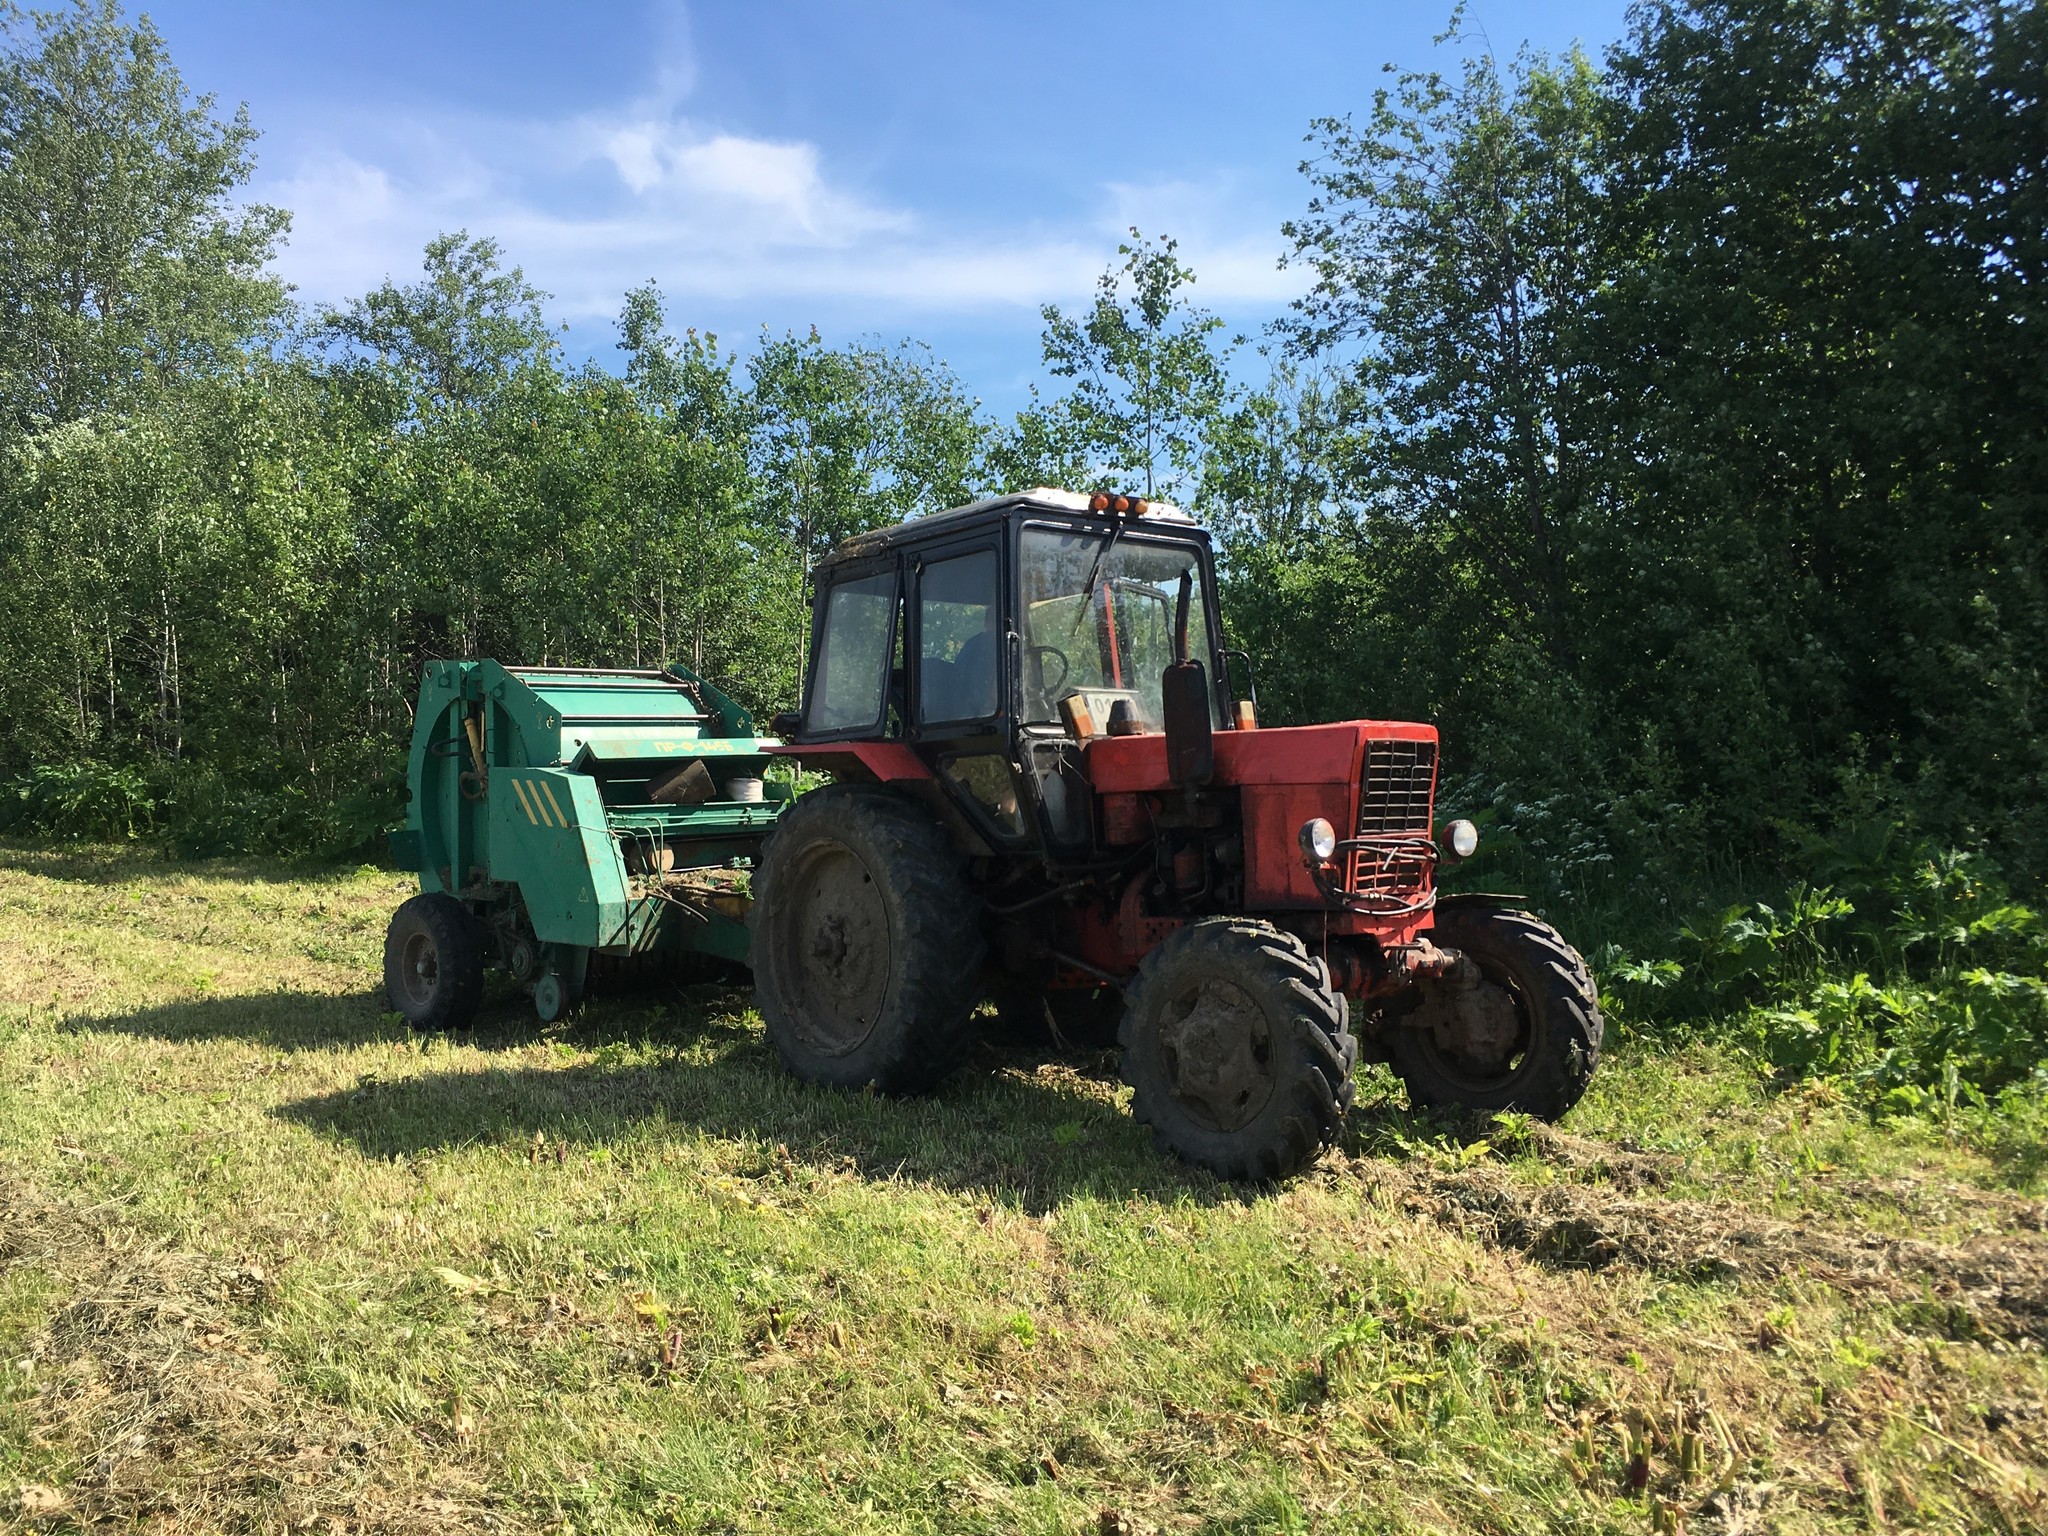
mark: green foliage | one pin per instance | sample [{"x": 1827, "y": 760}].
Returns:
[
  {"x": 1926, "y": 993},
  {"x": 460, "y": 331},
  {"x": 128, "y": 259},
  {"x": 1148, "y": 380},
  {"x": 79, "y": 802}
]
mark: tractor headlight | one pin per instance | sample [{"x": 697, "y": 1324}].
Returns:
[
  {"x": 1318, "y": 840},
  {"x": 1460, "y": 839}
]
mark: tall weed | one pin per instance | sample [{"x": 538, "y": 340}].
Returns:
[{"x": 1913, "y": 978}]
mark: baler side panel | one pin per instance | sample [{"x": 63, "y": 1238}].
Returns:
[{"x": 549, "y": 837}]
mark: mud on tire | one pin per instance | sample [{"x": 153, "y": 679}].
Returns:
[
  {"x": 1238, "y": 1052},
  {"x": 866, "y": 942},
  {"x": 434, "y": 963},
  {"x": 1556, "y": 1008}
]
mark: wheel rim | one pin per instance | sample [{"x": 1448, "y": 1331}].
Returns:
[
  {"x": 420, "y": 968},
  {"x": 547, "y": 998},
  {"x": 834, "y": 949},
  {"x": 1469, "y": 1076},
  {"x": 1216, "y": 1045}
]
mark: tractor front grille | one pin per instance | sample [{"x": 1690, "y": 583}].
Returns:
[
  {"x": 1389, "y": 874},
  {"x": 1399, "y": 784},
  {"x": 1389, "y": 866}
]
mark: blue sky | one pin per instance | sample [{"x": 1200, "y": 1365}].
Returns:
[{"x": 877, "y": 169}]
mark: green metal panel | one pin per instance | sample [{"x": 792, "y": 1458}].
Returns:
[{"x": 549, "y": 838}]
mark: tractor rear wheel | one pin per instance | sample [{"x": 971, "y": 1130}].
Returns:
[
  {"x": 434, "y": 963},
  {"x": 1237, "y": 1049},
  {"x": 1521, "y": 1031},
  {"x": 866, "y": 942}
]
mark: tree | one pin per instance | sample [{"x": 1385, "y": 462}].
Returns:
[
  {"x": 1282, "y": 461},
  {"x": 460, "y": 330},
  {"x": 1147, "y": 377},
  {"x": 124, "y": 259},
  {"x": 848, "y": 439},
  {"x": 1455, "y": 241},
  {"x": 1831, "y": 434},
  {"x": 696, "y": 550}
]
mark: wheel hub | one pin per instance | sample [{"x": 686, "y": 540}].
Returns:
[
  {"x": 1473, "y": 1021},
  {"x": 1218, "y": 1052},
  {"x": 840, "y": 937},
  {"x": 421, "y": 968}
]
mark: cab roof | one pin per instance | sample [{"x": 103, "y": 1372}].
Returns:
[{"x": 1042, "y": 498}]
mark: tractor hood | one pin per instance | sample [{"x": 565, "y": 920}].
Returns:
[{"x": 1301, "y": 754}]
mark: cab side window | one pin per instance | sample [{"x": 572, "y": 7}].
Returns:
[
  {"x": 849, "y": 691},
  {"x": 959, "y": 645}
]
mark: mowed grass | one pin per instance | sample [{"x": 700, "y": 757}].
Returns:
[{"x": 271, "y": 1262}]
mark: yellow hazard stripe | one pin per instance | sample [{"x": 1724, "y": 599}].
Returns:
[
  {"x": 525, "y": 804},
  {"x": 549, "y": 790}
]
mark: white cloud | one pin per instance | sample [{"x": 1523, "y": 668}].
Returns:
[{"x": 592, "y": 205}]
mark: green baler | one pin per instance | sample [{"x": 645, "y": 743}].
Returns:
[{"x": 561, "y": 813}]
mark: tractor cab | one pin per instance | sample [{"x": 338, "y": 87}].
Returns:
[{"x": 993, "y": 643}]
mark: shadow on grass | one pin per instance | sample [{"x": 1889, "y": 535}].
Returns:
[
  {"x": 1014, "y": 1137},
  {"x": 283, "y": 1021},
  {"x": 1036, "y": 1134},
  {"x": 318, "y": 1021},
  {"x": 678, "y": 1063}
]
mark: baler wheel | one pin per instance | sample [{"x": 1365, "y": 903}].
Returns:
[
  {"x": 1540, "y": 1055},
  {"x": 1238, "y": 1050},
  {"x": 434, "y": 963},
  {"x": 866, "y": 942}
]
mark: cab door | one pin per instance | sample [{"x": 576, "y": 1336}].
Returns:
[{"x": 960, "y": 680}]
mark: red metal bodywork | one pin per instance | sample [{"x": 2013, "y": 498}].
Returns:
[
  {"x": 872, "y": 762},
  {"x": 1283, "y": 777}
]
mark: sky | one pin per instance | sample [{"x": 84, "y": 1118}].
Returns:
[{"x": 886, "y": 169}]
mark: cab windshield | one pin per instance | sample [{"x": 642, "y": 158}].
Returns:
[{"x": 1099, "y": 618}]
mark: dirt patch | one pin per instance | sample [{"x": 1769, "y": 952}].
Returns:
[
  {"x": 1996, "y": 1285},
  {"x": 150, "y": 1382}
]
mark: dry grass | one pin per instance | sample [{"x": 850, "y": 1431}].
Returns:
[{"x": 270, "y": 1263}]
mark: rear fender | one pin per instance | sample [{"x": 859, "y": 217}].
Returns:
[{"x": 871, "y": 762}]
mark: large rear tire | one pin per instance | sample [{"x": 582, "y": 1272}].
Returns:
[
  {"x": 434, "y": 963},
  {"x": 867, "y": 942},
  {"x": 1237, "y": 1049},
  {"x": 1530, "y": 1028}
]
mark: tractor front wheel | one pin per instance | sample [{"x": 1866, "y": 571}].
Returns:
[
  {"x": 866, "y": 942},
  {"x": 434, "y": 963},
  {"x": 1519, "y": 1029},
  {"x": 1237, "y": 1049}
]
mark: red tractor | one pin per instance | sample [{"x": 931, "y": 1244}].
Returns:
[{"x": 1051, "y": 788}]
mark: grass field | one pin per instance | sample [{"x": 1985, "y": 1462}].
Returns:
[{"x": 270, "y": 1262}]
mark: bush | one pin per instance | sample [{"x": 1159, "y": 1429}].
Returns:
[
  {"x": 80, "y": 802},
  {"x": 1917, "y": 982}
]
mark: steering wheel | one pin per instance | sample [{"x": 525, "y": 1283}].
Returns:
[{"x": 1038, "y": 653}]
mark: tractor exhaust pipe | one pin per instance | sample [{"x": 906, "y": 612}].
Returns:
[{"x": 1184, "y": 702}]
